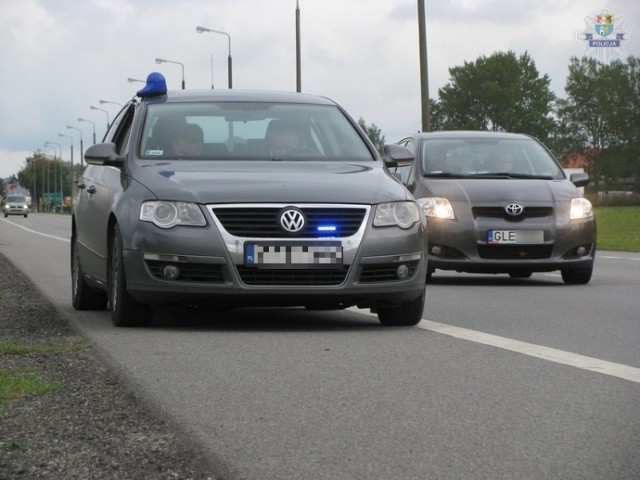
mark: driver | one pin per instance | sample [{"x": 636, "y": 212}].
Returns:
[{"x": 283, "y": 138}]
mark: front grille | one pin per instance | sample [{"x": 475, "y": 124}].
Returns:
[
  {"x": 275, "y": 277},
  {"x": 265, "y": 222},
  {"x": 499, "y": 212},
  {"x": 385, "y": 273},
  {"x": 189, "y": 272},
  {"x": 515, "y": 252}
]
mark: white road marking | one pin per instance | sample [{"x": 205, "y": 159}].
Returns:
[
  {"x": 612, "y": 257},
  {"x": 36, "y": 232},
  {"x": 558, "y": 356}
]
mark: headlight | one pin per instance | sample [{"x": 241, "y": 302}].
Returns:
[
  {"x": 437, "y": 207},
  {"x": 169, "y": 214},
  {"x": 401, "y": 214},
  {"x": 580, "y": 208}
]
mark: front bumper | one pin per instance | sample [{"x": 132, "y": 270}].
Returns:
[
  {"x": 452, "y": 246},
  {"x": 381, "y": 266}
]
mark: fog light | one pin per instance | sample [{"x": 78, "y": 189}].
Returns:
[
  {"x": 436, "y": 250},
  {"x": 170, "y": 272},
  {"x": 581, "y": 251},
  {"x": 403, "y": 272}
]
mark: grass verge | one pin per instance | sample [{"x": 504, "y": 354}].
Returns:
[
  {"x": 16, "y": 382},
  {"x": 618, "y": 228}
]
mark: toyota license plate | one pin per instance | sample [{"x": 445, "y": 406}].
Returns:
[
  {"x": 515, "y": 237},
  {"x": 293, "y": 255}
]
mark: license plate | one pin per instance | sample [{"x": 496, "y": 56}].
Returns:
[
  {"x": 515, "y": 237},
  {"x": 293, "y": 255}
]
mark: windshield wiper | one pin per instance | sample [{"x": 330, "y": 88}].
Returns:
[
  {"x": 446, "y": 175},
  {"x": 512, "y": 175}
]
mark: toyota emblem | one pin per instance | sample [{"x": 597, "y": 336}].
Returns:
[
  {"x": 514, "y": 209},
  {"x": 292, "y": 220}
]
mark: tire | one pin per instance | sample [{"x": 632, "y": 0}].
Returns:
[
  {"x": 580, "y": 276},
  {"x": 404, "y": 314},
  {"x": 429, "y": 274},
  {"x": 83, "y": 296},
  {"x": 520, "y": 274},
  {"x": 125, "y": 311}
]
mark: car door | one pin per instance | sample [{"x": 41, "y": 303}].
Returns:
[{"x": 97, "y": 189}]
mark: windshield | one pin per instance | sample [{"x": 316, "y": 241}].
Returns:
[
  {"x": 16, "y": 199},
  {"x": 250, "y": 130},
  {"x": 481, "y": 157}
]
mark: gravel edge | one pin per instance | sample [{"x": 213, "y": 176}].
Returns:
[{"x": 95, "y": 427}]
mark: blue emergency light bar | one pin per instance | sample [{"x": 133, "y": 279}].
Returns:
[{"x": 156, "y": 85}]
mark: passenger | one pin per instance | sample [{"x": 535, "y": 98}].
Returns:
[{"x": 187, "y": 140}]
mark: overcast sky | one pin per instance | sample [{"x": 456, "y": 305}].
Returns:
[{"x": 60, "y": 57}]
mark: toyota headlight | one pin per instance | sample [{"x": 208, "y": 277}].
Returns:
[
  {"x": 401, "y": 214},
  {"x": 437, "y": 207},
  {"x": 580, "y": 208},
  {"x": 169, "y": 214}
]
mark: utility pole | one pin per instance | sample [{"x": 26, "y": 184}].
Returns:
[
  {"x": 424, "y": 70},
  {"x": 298, "y": 66}
]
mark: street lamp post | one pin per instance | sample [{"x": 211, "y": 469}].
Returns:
[
  {"x": 162, "y": 60},
  {"x": 71, "y": 166},
  {"x": 81, "y": 146},
  {"x": 105, "y": 112},
  {"x": 94, "y": 127},
  {"x": 229, "y": 61}
]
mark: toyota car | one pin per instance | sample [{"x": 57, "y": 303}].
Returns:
[{"x": 500, "y": 203}]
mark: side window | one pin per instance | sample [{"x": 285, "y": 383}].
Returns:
[{"x": 120, "y": 129}]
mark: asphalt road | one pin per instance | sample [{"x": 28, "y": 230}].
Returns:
[{"x": 503, "y": 379}]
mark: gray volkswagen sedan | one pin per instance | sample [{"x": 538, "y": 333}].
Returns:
[
  {"x": 243, "y": 198},
  {"x": 500, "y": 203}
]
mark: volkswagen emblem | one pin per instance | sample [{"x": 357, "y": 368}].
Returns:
[
  {"x": 292, "y": 220},
  {"x": 514, "y": 209}
]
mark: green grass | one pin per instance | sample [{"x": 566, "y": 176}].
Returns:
[
  {"x": 15, "y": 383},
  {"x": 15, "y": 346},
  {"x": 618, "y": 228}
]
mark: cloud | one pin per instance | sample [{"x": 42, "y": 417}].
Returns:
[{"x": 59, "y": 57}]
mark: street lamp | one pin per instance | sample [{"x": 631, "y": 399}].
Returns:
[
  {"x": 71, "y": 167},
  {"x": 102, "y": 102},
  {"x": 162, "y": 60},
  {"x": 105, "y": 112},
  {"x": 132, "y": 80},
  {"x": 94, "y": 127},
  {"x": 55, "y": 178},
  {"x": 229, "y": 62},
  {"x": 81, "y": 147}
]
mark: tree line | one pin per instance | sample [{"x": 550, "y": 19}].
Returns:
[{"x": 598, "y": 121}]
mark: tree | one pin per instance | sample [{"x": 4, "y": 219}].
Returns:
[
  {"x": 601, "y": 114},
  {"x": 374, "y": 134},
  {"x": 43, "y": 174},
  {"x": 500, "y": 93}
]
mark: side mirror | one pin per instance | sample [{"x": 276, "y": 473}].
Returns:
[
  {"x": 397, "y": 156},
  {"x": 103, "y": 154},
  {"x": 579, "y": 179}
]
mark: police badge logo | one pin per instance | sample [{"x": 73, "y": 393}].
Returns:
[{"x": 604, "y": 35}]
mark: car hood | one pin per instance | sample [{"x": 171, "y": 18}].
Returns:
[
  {"x": 498, "y": 191},
  {"x": 270, "y": 181}
]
